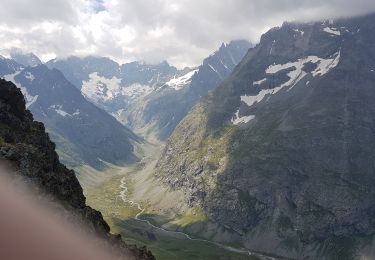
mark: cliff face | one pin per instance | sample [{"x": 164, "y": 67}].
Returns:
[
  {"x": 282, "y": 152},
  {"x": 25, "y": 144}
]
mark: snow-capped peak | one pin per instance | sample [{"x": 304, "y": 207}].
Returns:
[{"x": 179, "y": 82}]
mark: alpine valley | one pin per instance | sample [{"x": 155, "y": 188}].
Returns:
[{"x": 262, "y": 151}]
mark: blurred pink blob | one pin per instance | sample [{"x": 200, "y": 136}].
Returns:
[{"x": 29, "y": 230}]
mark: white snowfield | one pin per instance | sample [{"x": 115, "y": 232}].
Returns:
[
  {"x": 30, "y": 99},
  {"x": 29, "y": 76},
  {"x": 237, "y": 120},
  {"x": 299, "y": 31},
  {"x": 59, "y": 110},
  {"x": 332, "y": 31},
  {"x": 100, "y": 89},
  {"x": 251, "y": 100},
  {"x": 295, "y": 75},
  {"x": 259, "y": 82},
  {"x": 180, "y": 82}
]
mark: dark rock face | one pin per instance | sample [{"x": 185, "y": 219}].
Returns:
[
  {"x": 282, "y": 152},
  {"x": 25, "y": 143}
]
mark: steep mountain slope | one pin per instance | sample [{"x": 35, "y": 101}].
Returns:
[
  {"x": 282, "y": 152},
  {"x": 164, "y": 108},
  {"x": 84, "y": 134},
  {"x": 25, "y": 144}
]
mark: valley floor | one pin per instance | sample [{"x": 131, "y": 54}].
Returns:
[{"x": 147, "y": 213}]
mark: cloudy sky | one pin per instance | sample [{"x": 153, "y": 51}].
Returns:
[{"x": 180, "y": 31}]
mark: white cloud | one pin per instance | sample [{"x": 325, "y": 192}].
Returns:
[{"x": 180, "y": 31}]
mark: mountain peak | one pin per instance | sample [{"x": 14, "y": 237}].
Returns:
[{"x": 25, "y": 59}]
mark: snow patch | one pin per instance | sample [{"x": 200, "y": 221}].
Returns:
[
  {"x": 225, "y": 66},
  {"x": 323, "y": 67},
  {"x": 259, "y": 82},
  {"x": 29, "y": 76},
  {"x": 237, "y": 120},
  {"x": 345, "y": 29},
  {"x": 272, "y": 46},
  {"x": 299, "y": 31},
  {"x": 251, "y": 100},
  {"x": 30, "y": 99},
  {"x": 214, "y": 70},
  {"x": 180, "y": 82},
  {"x": 98, "y": 88},
  {"x": 76, "y": 113},
  {"x": 332, "y": 31},
  {"x": 294, "y": 76},
  {"x": 59, "y": 110}
]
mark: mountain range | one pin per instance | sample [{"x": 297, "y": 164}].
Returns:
[
  {"x": 84, "y": 134},
  {"x": 281, "y": 153},
  {"x": 148, "y": 96}
]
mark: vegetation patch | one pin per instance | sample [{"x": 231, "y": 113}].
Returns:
[{"x": 195, "y": 216}]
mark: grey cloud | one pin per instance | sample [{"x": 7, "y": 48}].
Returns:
[
  {"x": 29, "y": 12},
  {"x": 182, "y": 32}
]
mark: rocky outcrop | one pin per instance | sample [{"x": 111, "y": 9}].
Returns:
[
  {"x": 25, "y": 144},
  {"x": 282, "y": 151}
]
